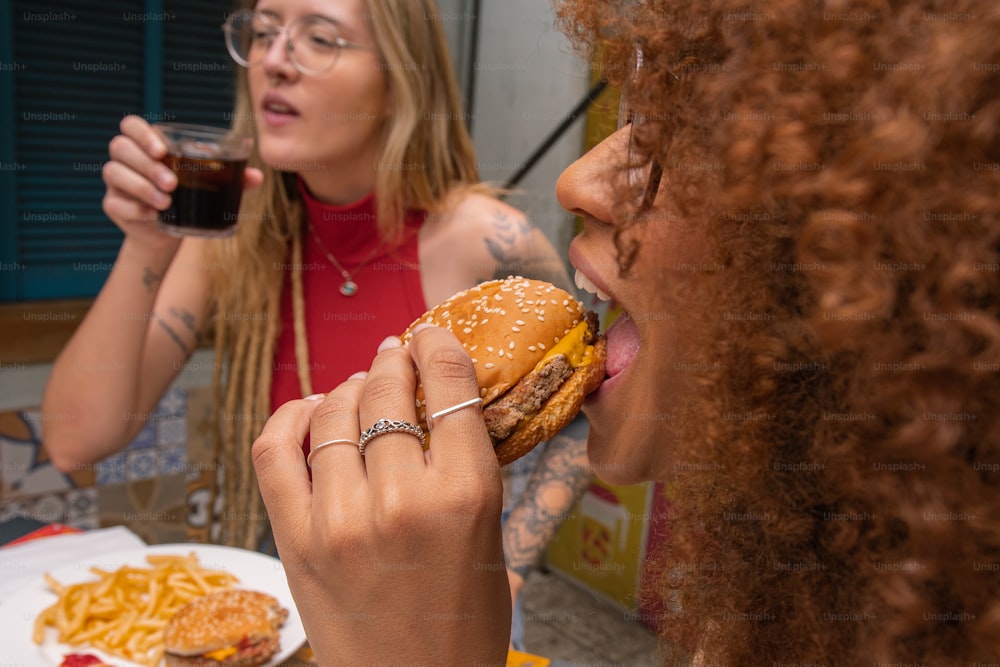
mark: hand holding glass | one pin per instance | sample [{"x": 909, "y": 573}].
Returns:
[{"x": 209, "y": 163}]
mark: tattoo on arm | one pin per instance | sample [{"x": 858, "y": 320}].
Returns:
[
  {"x": 555, "y": 485},
  {"x": 186, "y": 317},
  {"x": 520, "y": 249},
  {"x": 173, "y": 334},
  {"x": 151, "y": 279}
]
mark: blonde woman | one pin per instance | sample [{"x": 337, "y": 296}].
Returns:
[{"x": 363, "y": 207}]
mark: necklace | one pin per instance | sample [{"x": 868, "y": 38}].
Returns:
[{"x": 349, "y": 287}]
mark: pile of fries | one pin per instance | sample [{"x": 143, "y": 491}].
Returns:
[{"x": 124, "y": 611}]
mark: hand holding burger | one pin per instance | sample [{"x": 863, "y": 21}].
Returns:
[{"x": 536, "y": 352}]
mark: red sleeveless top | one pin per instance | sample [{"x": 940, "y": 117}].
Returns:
[{"x": 344, "y": 331}]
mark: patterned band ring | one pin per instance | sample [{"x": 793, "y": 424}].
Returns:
[{"x": 383, "y": 426}]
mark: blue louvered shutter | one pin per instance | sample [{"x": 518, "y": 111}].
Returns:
[
  {"x": 198, "y": 74},
  {"x": 74, "y": 69}
]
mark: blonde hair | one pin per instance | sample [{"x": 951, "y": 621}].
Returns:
[{"x": 427, "y": 134}]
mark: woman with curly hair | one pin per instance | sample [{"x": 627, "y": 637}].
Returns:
[{"x": 800, "y": 220}]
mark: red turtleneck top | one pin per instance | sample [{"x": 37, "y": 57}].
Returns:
[{"x": 344, "y": 331}]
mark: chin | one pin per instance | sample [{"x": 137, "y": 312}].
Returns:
[
  {"x": 629, "y": 433},
  {"x": 618, "y": 456}
]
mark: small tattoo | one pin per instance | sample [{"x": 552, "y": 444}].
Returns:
[
  {"x": 151, "y": 279},
  {"x": 173, "y": 334},
  {"x": 186, "y": 317}
]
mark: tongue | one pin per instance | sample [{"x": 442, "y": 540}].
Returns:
[{"x": 623, "y": 345}]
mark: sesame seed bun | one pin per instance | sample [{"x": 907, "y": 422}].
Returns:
[
  {"x": 246, "y": 620},
  {"x": 509, "y": 327}
]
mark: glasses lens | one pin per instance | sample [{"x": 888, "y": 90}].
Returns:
[
  {"x": 642, "y": 168},
  {"x": 315, "y": 44},
  {"x": 248, "y": 36}
]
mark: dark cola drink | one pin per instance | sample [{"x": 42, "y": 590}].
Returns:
[
  {"x": 207, "y": 199},
  {"x": 209, "y": 164}
]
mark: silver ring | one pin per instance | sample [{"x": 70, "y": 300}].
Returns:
[
  {"x": 338, "y": 441},
  {"x": 454, "y": 408},
  {"x": 383, "y": 426}
]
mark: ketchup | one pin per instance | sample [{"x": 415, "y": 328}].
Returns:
[{"x": 81, "y": 660}]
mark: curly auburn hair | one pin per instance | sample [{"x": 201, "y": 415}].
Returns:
[{"x": 852, "y": 422}]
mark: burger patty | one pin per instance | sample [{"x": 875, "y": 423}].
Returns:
[
  {"x": 525, "y": 398},
  {"x": 250, "y": 653}
]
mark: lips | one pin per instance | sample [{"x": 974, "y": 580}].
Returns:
[
  {"x": 277, "y": 110},
  {"x": 623, "y": 336}
]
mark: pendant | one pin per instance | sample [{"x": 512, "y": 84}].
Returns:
[{"x": 349, "y": 288}]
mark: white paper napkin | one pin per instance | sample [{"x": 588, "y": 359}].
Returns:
[{"x": 27, "y": 562}]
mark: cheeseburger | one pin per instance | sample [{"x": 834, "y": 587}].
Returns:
[
  {"x": 235, "y": 628},
  {"x": 536, "y": 352}
]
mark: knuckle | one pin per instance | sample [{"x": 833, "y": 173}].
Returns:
[
  {"x": 264, "y": 452},
  {"x": 449, "y": 364},
  {"x": 384, "y": 389},
  {"x": 332, "y": 411}
]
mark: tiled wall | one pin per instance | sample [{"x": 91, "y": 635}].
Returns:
[{"x": 157, "y": 486}]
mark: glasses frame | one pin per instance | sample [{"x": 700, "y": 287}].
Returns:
[
  {"x": 282, "y": 31},
  {"x": 633, "y": 120}
]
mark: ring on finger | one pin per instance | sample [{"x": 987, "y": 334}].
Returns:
[
  {"x": 337, "y": 441},
  {"x": 384, "y": 426},
  {"x": 454, "y": 408}
]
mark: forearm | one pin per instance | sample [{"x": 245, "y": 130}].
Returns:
[
  {"x": 555, "y": 485},
  {"x": 91, "y": 405}
]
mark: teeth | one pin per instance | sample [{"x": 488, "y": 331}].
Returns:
[
  {"x": 585, "y": 283},
  {"x": 279, "y": 108}
]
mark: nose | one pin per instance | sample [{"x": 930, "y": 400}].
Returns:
[
  {"x": 277, "y": 59},
  {"x": 587, "y": 187}
]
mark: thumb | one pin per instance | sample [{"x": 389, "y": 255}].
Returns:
[{"x": 252, "y": 178}]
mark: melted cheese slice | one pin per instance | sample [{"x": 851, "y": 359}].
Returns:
[
  {"x": 574, "y": 346},
  {"x": 221, "y": 653}
]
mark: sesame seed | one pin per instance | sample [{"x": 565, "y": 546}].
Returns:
[
  {"x": 489, "y": 348},
  {"x": 541, "y": 346},
  {"x": 532, "y": 348},
  {"x": 512, "y": 345},
  {"x": 519, "y": 323},
  {"x": 490, "y": 365}
]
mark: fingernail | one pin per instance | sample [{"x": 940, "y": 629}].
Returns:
[
  {"x": 420, "y": 327},
  {"x": 360, "y": 375},
  {"x": 315, "y": 397},
  {"x": 390, "y": 343}
]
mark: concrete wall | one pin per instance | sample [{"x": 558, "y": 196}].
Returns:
[{"x": 520, "y": 79}]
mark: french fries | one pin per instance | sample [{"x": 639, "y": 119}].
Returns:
[{"x": 123, "y": 612}]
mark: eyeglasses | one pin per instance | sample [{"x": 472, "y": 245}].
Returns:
[
  {"x": 651, "y": 169},
  {"x": 311, "y": 42}
]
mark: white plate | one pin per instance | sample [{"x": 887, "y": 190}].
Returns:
[{"x": 255, "y": 571}]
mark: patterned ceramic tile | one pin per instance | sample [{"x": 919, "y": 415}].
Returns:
[
  {"x": 171, "y": 431},
  {"x": 112, "y": 470},
  {"x": 25, "y": 468}
]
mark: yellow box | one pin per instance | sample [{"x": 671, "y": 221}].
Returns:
[{"x": 602, "y": 543}]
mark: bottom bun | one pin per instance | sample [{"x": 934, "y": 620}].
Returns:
[{"x": 561, "y": 408}]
